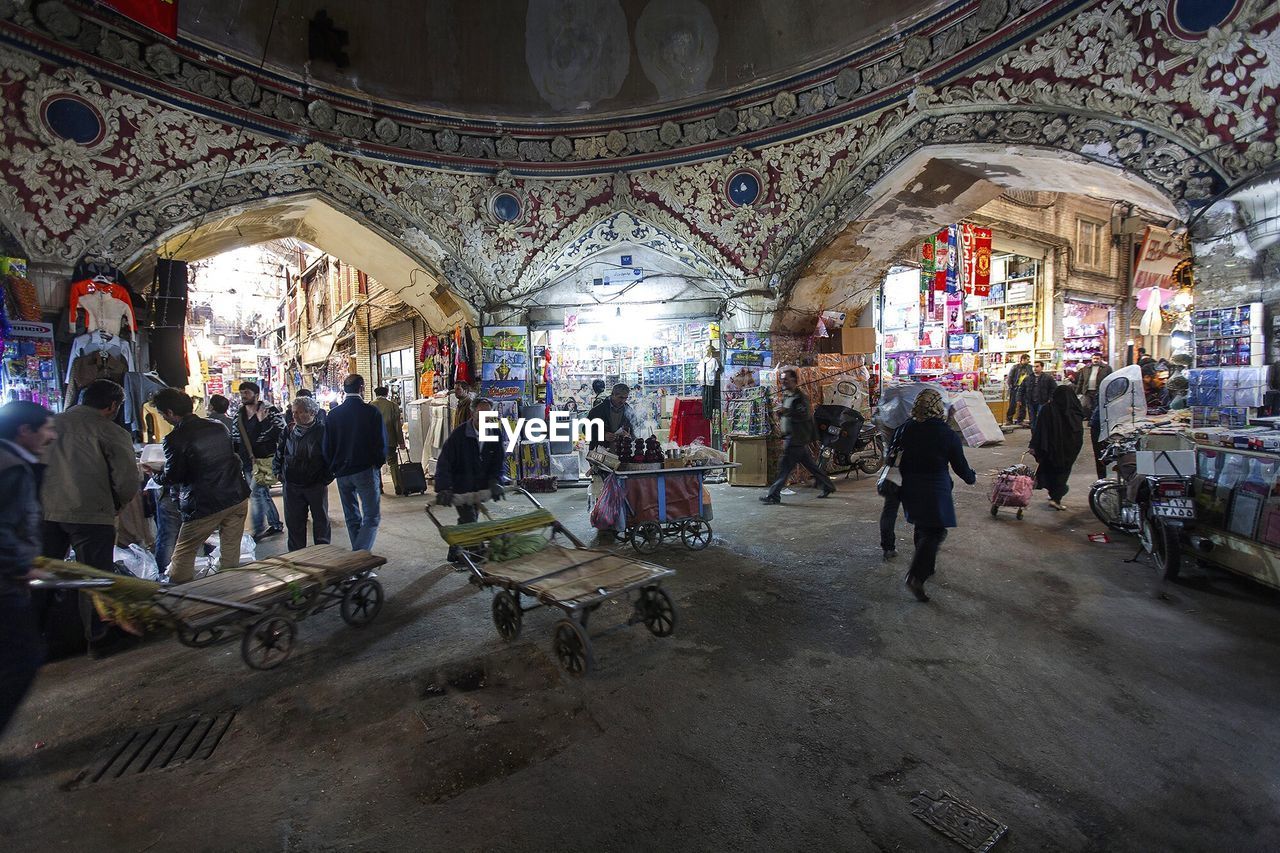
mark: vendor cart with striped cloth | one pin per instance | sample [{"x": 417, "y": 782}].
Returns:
[
  {"x": 260, "y": 603},
  {"x": 519, "y": 557}
]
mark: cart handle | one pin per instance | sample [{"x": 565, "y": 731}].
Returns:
[
  {"x": 83, "y": 583},
  {"x": 431, "y": 515}
]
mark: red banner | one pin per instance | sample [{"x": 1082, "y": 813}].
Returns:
[
  {"x": 159, "y": 15},
  {"x": 975, "y": 250},
  {"x": 940, "y": 260}
]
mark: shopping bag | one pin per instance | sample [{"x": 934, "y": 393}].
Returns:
[
  {"x": 262, "y": 473},
  {"x": 1012, "y": 490}
]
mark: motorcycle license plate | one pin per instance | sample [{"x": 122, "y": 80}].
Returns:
[
  {"x": 833, "y": 430},
  {"x": 1174, "y": 508}
]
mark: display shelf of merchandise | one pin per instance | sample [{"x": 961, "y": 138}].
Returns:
[{"x": 1229, "y": 337}]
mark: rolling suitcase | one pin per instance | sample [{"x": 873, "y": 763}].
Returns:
[{"x": 413, "y": 480}]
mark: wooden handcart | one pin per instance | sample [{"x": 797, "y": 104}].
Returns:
[
  {"x": 575, "y": 579},
  {"x": 260, "y": 603}
]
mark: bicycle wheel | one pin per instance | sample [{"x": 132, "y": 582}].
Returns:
[{"x": 1109, "y": 501}]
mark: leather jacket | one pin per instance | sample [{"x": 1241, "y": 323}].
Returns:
[
  {"x": 199, "y": 461},
  {"x": 300, "y": 456},
  {"x": 258, "y": 438}
]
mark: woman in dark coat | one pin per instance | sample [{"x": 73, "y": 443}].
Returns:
[
  {"x": 1056, "y": 442},
  {"x": 928, "y": 447}
]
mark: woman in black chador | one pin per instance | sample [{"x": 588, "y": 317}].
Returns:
[{"x": 1056, "y": 441}]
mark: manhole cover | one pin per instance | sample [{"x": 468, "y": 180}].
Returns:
[
  {"x": 157, "y": 747},
  {"x": 959, "y": 821}
]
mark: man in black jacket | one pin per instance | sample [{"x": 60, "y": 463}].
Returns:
[
  {"x": 355, "y": 446},
  {"x": 212, "y": 492},
  {"x": 614, "y": 414},
  {"x": 468, "y": 470},
  {"x": 1019, "y": 376},
  {"x": 1038, "y": 391},
  {"x": 301, "y": 467},
  {"x": 258, "y": 427},
  {"x": 26, "y": 429},
  {"x": 797, "y": 426}
]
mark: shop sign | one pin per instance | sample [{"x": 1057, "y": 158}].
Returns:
[
  {"x": 751, "y": 358},
  {"x": 28, "y": 329},
  {"x": 1160, "y": 255}
]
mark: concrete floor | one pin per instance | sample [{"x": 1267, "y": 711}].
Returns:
[{"x": 804, "y": 700}]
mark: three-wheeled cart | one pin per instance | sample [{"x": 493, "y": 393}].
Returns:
[
  {"x": 664, "y": 503},
  {"x": 261, "y": 603},
  {"x": 575, "y": 579}
]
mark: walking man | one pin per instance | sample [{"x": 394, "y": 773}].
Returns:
[
  {"x": 1089, "y": 380},
  {"x": 355, "y": 446},
  {"x": 1038, "y": 391},
  {"x": 799, "y": 431},
  {"x": 90, "y": 476},
  {"x": 212, "y": 492},
  {"x": 468, "y": 470},
  {"x": 1019, "y": 376},
  {"x": 218, "y": 406},
  {"x": 395, "y": 435},
  {"x": 26, "y": 429},
  {"x": 301, "y": 467},
  {"x": 259, "y": 426}
]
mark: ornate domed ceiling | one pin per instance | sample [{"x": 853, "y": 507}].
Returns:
[{"x": 529, "y": 59}]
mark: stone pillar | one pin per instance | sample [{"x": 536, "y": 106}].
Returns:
[{"x": 364, "y": 347}]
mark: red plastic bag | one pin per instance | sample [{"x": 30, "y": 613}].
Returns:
[
  {"x": 1012, "y": 490},
  {"x": 610, "y": 505}
]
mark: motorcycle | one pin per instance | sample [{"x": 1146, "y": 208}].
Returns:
[
  {"x": 847, "y": 441},
  {"x": 1166, "y": 513}
]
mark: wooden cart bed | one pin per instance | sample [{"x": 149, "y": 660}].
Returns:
[
  {"x": 572, "y": 577},
  {"x": 315, "y": 566}
]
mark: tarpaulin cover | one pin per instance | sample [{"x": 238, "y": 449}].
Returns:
[{"x": 681, "y": 497}]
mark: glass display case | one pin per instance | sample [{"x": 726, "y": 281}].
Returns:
[{"x": 1238, "y": 511}]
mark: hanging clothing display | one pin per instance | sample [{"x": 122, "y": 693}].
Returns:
[
  {"x": 100, "y": 355},
  {"x": 106, "y": 305}
]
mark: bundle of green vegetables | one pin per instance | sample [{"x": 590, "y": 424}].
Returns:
[
  {"x": 129, "y": 602},
  {"x": 512, "y": 546}
]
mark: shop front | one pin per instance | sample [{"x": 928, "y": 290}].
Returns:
[{"x": 975, "y": 306}]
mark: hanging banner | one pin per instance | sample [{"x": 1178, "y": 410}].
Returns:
[
  {"x": 976, "y": 248},
  {"x": 953, "y": 260},
  {"x": 941, "y": 257},
  {"x": 928, "y": 254},
  {"x": 1160, "y": 255},
  {"x": 158, "y": 15}
]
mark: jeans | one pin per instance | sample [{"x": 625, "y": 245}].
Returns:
[
  {"x": 300, "y": 500},
  {"x": 923, "y": 561},
  {"x": 361, "y": 507},
  {"x": 230, "y": 526},
  {"x": 889, "y": 518},
  {"x": 94, "y": 545},
  {"x": 168, "y": 523},
  {"x": 21, "y": 654},
  {"x": 793, "y": 455},
  {"x": 1035, "y": 413},
  {"x": 262, "y": 510}
]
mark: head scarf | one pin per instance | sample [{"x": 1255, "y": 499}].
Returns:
[
  {"x": 928, "y": 405},
  {"x": 1059, "y": 429}
]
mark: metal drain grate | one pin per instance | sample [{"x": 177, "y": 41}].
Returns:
[
  {"x": 166, "y": 745},
  {"x": 959, "y": 821}
]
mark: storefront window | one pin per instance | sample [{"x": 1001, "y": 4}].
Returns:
[{"x": 395, "y": 370}]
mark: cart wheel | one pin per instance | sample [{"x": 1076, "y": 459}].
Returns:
[
  {"x": 361, "y": 602},
  {"x": 199, "y": 638},
  {"x": 572, "y": 647},
  {"x": 507, "y": 617},
  {"x": 303, "y": 599},
  {"x": 647, "y": 537},
  {"x": 1019, "y": 514},
  {"x": 695, "y": 533},
  {"x": 268, "y": 641},
  {"x": 995, "y": 510},
  {"x": 657, "y": 611}
]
